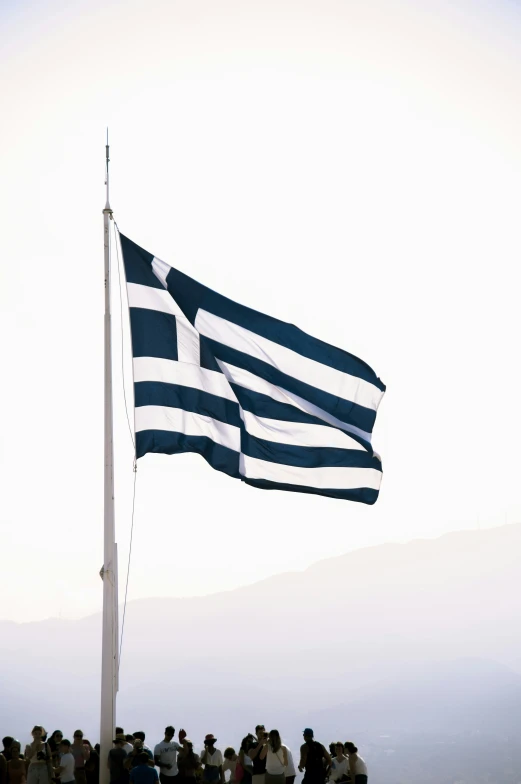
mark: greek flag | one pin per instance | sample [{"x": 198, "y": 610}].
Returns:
[{"x": 259, "y": 399}]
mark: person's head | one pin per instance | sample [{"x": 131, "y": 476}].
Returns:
[
  {"x": 339, "y": 749},
  {"x": 308, "y": 735},
  {"x": 56, "y": 736},
  {"x": 274, "y": 740},
  {"x": 138, "y": 744},
  {"x": 260, "y": 731},
  {"x": 169, "y": 732},
  {"x": 78, "y": 736},
  {"x": 229, "y": 753},
  {"x": 37, "y": 732},
  {"x": 247, "y": 742},
  {"x": 87, "y": 743},
  {"x": 209, "y": 741},
  {"x": 65, "y": 746},
  {"x": 129, "y": 738},
  {"x": 7, "y": 741},
  {"x": 140, "y": 735},
  {"x": 15, "y": 748},
  {"x": 97, "y": 748},
  {"x": 118, "y": 742},
  {"x": 120, "y": 731},
  {"x": 143, "y": 758},
  {"x": 350, "y": 747}
]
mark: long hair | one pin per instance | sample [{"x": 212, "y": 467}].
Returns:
[
  {"x": 190, "y": 757},
  {"x": 275, "y": 741}
]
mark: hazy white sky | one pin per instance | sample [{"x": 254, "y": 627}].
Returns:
[{"x": 351, "y": 166}]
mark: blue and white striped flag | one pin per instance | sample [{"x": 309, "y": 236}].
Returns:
[{"x": 258, "y": 398}]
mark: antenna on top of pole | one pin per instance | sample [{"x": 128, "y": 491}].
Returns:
[{"x": 107, "y": 159}]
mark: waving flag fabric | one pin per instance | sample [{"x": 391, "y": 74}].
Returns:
[{"x": 259, "y": 399}]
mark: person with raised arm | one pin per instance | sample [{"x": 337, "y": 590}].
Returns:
[
  {"x": 276, "y": 756},
  {"x": 212, "y": 759}
]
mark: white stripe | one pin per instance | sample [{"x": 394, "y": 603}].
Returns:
[
  {"x": 187, "y": 342},
  {"x": 330, "y": 478},
  {"x": 171, "y": 372},
  {"x": 160, "y": 270},
  {"x": 297, "y": 433},
  {"x": 244, "y": 378},
  {"x": 140, "y": 296},
  {"x": 286, "y": 360},
  {"x": 179, "y": 421}
]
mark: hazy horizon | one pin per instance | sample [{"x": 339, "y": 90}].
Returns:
[
  {"x": 268, "y": 577},
  {"x": 428, "y": 656}
]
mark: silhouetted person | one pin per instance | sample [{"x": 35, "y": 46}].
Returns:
[
  {"x": 259, "y": 765},
  {"x": 116, "y": 761},
  {"x": 314, "y": 759},
  {"x": 7, "y": 742},
  {"x": 65, "y": 770},
  {"x": 276, "y": 756},
  {"x": 357, "y": 766},
  {"x": 16, "y": 767},
  {"x": 339, "y": 763},
  {"x": 38, "y": 755},
  {"x": 165, "y": 756},
  {"x": 143, "y": 772},
  {"x": 212, "y": 759}
]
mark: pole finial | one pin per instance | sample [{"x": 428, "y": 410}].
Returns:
[{"x": 107, "y": 159}]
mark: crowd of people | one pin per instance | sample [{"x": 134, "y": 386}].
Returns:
[{"x": 262, "y": 758}]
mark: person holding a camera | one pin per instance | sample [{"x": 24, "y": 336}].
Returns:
[
  {"x": 38, "y": 755},
  {"x": 276, "y": 756},
  {"x": 258, "y": 762}
]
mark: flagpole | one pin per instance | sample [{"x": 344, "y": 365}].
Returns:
[{"x": 110, "y": 635}]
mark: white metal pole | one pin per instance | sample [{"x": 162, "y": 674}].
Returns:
[{"x": 109, "y": 652}]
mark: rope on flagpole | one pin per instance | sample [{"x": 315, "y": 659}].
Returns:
[
  {"x": 128, "y": 564},
  {"x": 117, "y": 244}
]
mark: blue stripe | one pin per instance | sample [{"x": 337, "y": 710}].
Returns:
[
  {"x": 206, "y": 358},
  {"x": 191, "y": 295},
  {"x": 345, "y": 410},
  {"x": 138, "y": 264},
  {"x": 157, "y": 393},
  {"x": 219, "y": 457},
  {"x": 154, "y": 334},
  {"x": 264, "y": 406},
  {"x": 307, "y": 456},
  {"x": 363, "y": 495}
]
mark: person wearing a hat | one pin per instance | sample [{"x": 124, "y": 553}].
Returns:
[
  {"x": 116, "y": 760},
  {"x": 314, "y": 759},
  {"x": 212, "y": 759}
]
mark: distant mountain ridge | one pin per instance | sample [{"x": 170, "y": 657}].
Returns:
[{"x": 375, "y": 640}]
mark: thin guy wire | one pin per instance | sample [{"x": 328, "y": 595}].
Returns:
[
  {"x": 116, "y": 232},
  {"x": 116, "y": 229},
  {"x": 128, "y": 567}
]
